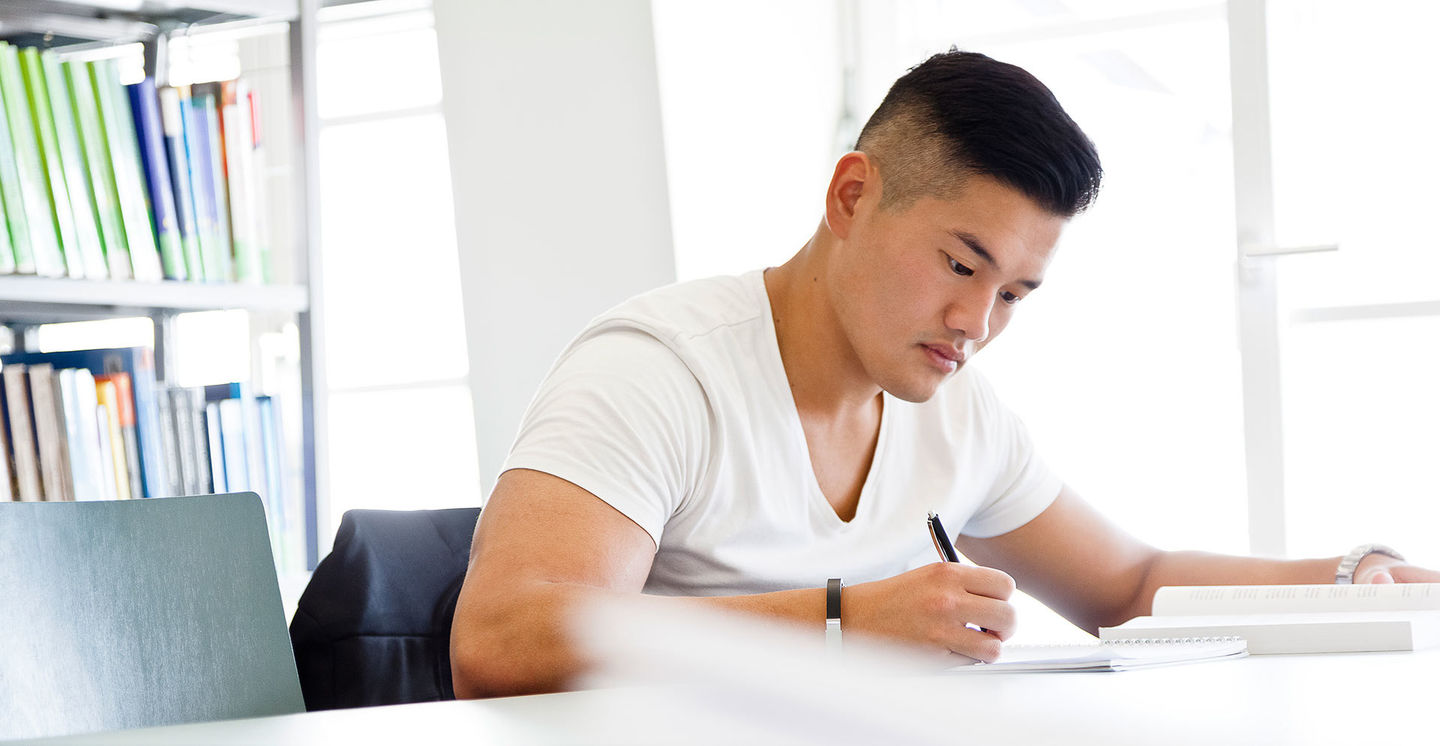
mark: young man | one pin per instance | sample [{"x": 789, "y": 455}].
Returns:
[{"x": 744, "y": 439}]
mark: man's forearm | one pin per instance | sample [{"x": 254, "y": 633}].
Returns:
[
  {"x": 518, "y": 641},
  {"x": 513, "y": 637},
  {"x": 1203, "y": 568}
]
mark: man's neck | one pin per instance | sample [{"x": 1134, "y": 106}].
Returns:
[{"x": 826, "y": 378}]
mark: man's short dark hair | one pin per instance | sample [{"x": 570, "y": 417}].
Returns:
[{"x": 961, "y": 114}]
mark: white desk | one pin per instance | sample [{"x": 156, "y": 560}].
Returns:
[{"x": 1386, "y": 698}]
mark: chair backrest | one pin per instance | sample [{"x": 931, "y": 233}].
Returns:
[
  {"x": 373, "y": 625},
  {"x": 135, "y": 613}
]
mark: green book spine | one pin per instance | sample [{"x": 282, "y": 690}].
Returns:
[
  {"x": 77, "y": 179},
  {"x": 117, "y": 255},
  {"x": 61, "y": 210},
  {"x": 15, "y": 235},
  {"x": 39, "y": 218},
  {"x": 97, "y": 164},
  {"x": 119, "y": 127},
  {"x": 7, "y": 266}
]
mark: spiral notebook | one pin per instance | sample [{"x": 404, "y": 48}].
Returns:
[{"x": 1110, "y": 655}]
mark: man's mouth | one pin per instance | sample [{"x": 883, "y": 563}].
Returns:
[{"x": 945, "y": 356}]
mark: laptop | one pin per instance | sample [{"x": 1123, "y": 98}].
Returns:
[{"x": 136, "y": 613}]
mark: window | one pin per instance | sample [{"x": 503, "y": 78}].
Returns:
[{"x": 400, "y": 422}]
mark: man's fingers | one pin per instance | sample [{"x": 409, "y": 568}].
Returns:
[
  {"x": 995, "y": 617},
  {"x": 980, "y": 581},
  {"x": 981, "y": 646}
]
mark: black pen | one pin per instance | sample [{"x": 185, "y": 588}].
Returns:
[
  {"x": 942, "y": 540},
  {"x": 946, "y": 550}
]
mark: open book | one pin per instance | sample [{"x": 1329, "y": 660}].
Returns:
[
  {"x": 1121, "y": 655},
  {"x": 1296, "y": 618}
]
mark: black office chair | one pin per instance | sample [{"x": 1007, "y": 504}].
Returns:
[
  {"x": 135, "y": 613},
  {"x": 373, "y": 625}
]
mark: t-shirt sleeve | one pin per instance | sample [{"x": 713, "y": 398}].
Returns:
[
  {"x": 622, "y": 417},
  {"x": 1024, "y": 485}
]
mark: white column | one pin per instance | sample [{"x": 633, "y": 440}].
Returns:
[
  {"x": 1257, "y": 313},
  {"x": 557, "y": 162}
]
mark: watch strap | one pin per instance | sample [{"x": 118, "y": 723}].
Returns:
[
  {"x": 832, "y": 614},
  {"x": 1345, "y": 573}
]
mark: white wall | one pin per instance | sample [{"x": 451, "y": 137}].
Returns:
[{"x": 557, "y": 159}]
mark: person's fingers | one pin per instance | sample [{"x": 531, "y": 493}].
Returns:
[
  {"x": 982, "y": 581},
  {"x": 996, "y": 617},
  {"x": 980, "y": 646}
]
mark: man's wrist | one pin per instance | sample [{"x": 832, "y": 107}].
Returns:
[
  {"x": 1363, "y": 560},
  {"x": 832, "y": 614}
]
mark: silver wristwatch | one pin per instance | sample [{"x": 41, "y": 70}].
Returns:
[{"x": 1345, "y": 573}]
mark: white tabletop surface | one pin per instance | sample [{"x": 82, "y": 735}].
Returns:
[{"x": 1387, "y": 698}]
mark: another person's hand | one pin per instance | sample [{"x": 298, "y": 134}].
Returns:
[
  {"x": 1380, "y": 568},
  {"x": 931, "y": 605}
]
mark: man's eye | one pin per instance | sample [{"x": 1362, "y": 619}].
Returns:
[
  {"x": 959, "y": 268},
  {"x": 1009, "y": 297}
]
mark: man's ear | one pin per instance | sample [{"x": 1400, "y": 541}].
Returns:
[{"x": 855, "y": 176}]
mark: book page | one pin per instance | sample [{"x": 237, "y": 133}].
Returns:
[{"x": 1279, "y": 599}]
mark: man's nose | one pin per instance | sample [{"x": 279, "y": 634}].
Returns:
[{"x": 970, "y": 316}]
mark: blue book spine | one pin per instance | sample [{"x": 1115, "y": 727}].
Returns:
[
  {"x": 281, "y": 513},
  {"x": 172, "y": 120},
  {"x": 197, "y": 153},
  {"x": 139, "y": 362},
  {"x": 218, "y": 483},
  {"x": 249, "y": 457},
  {"x": 145, "y": 103}
]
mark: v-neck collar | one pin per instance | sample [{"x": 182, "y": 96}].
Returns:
[{"x": 785, "y": 399}]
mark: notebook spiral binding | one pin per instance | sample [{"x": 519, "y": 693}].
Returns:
[{"x": 1170, "y": 640}]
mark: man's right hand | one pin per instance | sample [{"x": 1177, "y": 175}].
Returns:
[{"x": 930, "y": 607}]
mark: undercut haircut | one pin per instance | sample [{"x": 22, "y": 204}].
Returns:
[{"x": 963, "y": 114}]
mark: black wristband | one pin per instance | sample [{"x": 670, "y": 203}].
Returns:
[{"x": 832, "y": 599}]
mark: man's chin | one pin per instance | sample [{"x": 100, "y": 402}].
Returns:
[{"x": 918, "y": 392}]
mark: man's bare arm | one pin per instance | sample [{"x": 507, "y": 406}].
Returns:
[
  {"x": 543, "y": 544},
  {"x": 1078, "y": 563}
]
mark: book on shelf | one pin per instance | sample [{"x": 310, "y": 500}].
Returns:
[
  {"x": 98, "y": 168},
  {"x": 9, "y": 488},
  {"x": 1296, "y": 618},
  {"x": 112, "y": 437},
  {"x": 77, "y": 178},
  {"x": 139, "y": 364},
  {"x": 119, "y": 126},
  {"x": 197, "y": 156},
  {"x": 205, "y": 97},
  {"x": 236, "y": 118},
  {"x": 172, "y": 126},
  {"x": 14, "y": 231},
  {"x": 284, "y": 508},
  {"x": 22, "y": 433},
  {"x": 160, "y": 190},
  {"x": 91, "y": 478},
  {"x": 128, "y": 449},
  {"x": 71, "y": 433},
  {"x": 50, "y": 433},
  {"x": 104, "y": 180},
  {"x": 214, "y": 449},
  {"x": 43, "y": 256},
  {"x": 61, "y": 209}
]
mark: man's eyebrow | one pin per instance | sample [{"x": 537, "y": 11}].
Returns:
[{"x": 976, "y": 246}]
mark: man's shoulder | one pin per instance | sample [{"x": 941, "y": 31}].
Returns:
[{"x": 686, "y": 310}]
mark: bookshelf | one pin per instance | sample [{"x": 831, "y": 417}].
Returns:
[{"x": 88, "y": 27}]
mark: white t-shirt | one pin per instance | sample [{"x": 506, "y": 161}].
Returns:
[{"x": 674, "y": 408}]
